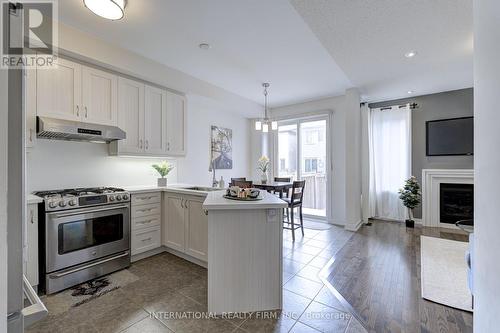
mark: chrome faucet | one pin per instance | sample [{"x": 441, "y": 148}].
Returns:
[{"x": 215, "y": 183}]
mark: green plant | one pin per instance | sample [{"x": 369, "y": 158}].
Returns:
[
  {"x": 163, "y": 168},
  {"x": 263, "y": 164},
  {"x": 410, "y": 195}
]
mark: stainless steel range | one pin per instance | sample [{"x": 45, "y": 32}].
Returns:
[{"x": 84, "y": 233}]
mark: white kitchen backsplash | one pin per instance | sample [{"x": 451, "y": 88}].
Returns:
[{"x": 65, "y": 164}]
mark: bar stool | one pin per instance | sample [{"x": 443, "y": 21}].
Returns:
[{"x": 294, "y": 201}]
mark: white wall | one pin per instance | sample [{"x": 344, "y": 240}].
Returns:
[
  {"x": 58, "y": 164},
  {"x": 486, "y": 165},
  {"x": 342, "y": 186},
  {"x": 3, "y": 200},
  {"x": 202, "y": 115}
]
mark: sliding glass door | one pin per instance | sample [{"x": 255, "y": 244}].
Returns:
[{"x": 302, "y": 154}]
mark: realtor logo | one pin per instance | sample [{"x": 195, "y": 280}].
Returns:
[{"x": 29, "y": 33}]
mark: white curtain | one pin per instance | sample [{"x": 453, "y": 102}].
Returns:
[{"x": 389, "y": 159}]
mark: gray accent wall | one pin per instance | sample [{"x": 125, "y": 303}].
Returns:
[{"x": 450, "y": 104}]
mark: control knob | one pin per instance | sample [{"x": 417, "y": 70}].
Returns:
[
  {"x": 125, "y": 197},
  {"x": 111, "y": 198},
  {"x": 62, "y": 204},
  {"x": 72, "y": 203},
  {"x": 119, "y": 197},
  {"x": 52, "y": 204}
]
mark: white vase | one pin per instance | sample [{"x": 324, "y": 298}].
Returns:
[
  {"x": 263, "y": 178},
  {"x": 162, "y": 182}
]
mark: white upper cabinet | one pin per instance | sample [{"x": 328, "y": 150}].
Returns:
[
  {"x": 30, "y": 103},
  {"x": 131, "y": 115},
  {"x": 58, "y": 91},
  {"x": 155, "y": 121},
  {"x": 176, "y": 124},
  {"x": 75, "y": 92},
  {"x": 99, "y": 97}
]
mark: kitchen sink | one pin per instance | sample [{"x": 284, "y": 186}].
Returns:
[{"x": 203, "y": 189}]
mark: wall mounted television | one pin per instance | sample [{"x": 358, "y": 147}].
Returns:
[{"x": 448, "y": 137}]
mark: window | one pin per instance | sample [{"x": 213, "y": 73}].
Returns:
[
  {"x": 282, "y": 164},
  {"x": 311, "y": 165},
  {"x": 312, "y": 137}
]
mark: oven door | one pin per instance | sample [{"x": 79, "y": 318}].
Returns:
[{"x": 77, "y": 236}]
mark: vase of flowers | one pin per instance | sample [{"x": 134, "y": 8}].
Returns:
[
  {"x": 163, "y": 170},
  {"x": 263, "y": 167},
  {"x": 410, "y": 195}
]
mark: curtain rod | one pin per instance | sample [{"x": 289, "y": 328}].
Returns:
[{"x": 412, "y": 106}]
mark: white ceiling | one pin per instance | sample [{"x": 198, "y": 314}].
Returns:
[
  {"x": 306, "y": 49},
  {"x": 252, "y": 42},
  {"x": 368, "y": 40}
]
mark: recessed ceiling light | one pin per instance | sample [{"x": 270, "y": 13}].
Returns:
[
  {"x": 109, "y": 9},
  {"x": 204, "y": 46},
  {"x": 410, "y": 54},
  {"x": 410, "y": 92}
]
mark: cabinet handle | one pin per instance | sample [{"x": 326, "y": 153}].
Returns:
[
  {"x": 145, "y": 210},
  {"x": 31, "y": 135},
  {"x": 147, "y": 144},
  {"x": 140, "y": 143},
  {"x": 86, "y": 113},
  {"x": 146, "y": 239},
  {"x": 145, "y": 222},
  {"x": 168, "y": 145},
  {"x": 205, "y": 211},
  {"x": 78, "y": 111},
  {"x": 32, "y": 217}
]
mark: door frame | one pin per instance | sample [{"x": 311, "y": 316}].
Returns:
[{"x": 328, "y": 163}]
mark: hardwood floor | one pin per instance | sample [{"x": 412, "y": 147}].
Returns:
[{"x": 378, "y": 273}]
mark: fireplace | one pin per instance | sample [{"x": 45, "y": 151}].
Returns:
[{"x": 456, "y": 202}]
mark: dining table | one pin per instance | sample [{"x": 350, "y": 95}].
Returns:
[{"x": 274, "y": 187}]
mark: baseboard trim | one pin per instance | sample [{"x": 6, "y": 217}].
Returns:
[
  {"x": 146, "y": 254},
  {"x": 162, "y": 249},
  {"x": 355, "y": 227},
  {"x": 186, "y": 257}
]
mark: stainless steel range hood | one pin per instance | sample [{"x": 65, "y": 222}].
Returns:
[{"x": 59, "y": 129}]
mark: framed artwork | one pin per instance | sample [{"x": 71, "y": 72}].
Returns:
[{"x": 221, "y": 153}]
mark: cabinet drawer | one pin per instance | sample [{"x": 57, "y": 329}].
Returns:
[
  {"x": 146, "y": 210},
  {"x": 146, "y": 222},
  {"x": 146, "y": 198},
  {"x": 145, "y": 239}
]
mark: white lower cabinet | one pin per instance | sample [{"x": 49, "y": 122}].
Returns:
[
  {"x": 145, "y": 222},
  {"x": 186, "y": 225},
  {"x": 146, "y": 239},
  {"x": 31, "y": 245}
]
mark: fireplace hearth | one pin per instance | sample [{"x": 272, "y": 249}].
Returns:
[{"x": 456, "y": 202}]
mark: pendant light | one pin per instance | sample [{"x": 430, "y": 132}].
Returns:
[
  {"x": 109, "y": 9},
  {"x": 264, "y": 124}
]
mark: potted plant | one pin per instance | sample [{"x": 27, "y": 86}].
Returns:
[
  {"x": 263, "y": 166},
  {"x": 163, "y": 169},
  {"x": 410, "y": 195}
]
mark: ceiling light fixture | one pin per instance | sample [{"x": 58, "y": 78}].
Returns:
[
  {"x": 204, "y": 46},
  {"x": 410, "y": 54},
  {"x": 264, "y": 124},
  {"x": 410, "y": 91},
  {"x": 109, "y": 9}
]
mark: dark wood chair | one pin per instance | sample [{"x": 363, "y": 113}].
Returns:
[
  {"x": 282, "y": 180},
  {"x": 236, "y": 179},
  {"x": 295, "y": 201},
  {"x": 243, "y": 183}
]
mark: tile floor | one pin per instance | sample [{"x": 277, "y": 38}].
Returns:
[{"x": 169, "y": 286}]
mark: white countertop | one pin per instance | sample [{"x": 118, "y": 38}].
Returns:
[
  {"x": 216, "y": 201},
  {"x": 173, "y": 188},
  {"x": 33, "y": 199}
]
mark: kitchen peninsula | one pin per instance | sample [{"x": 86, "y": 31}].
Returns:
[{"x": 244, "y": 253}]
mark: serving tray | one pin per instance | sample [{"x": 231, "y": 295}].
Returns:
[{"x": 242, "y": 199}]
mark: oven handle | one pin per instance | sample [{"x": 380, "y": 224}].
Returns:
[
  {"x": 74, "y": 270},
  {"x": 57, "y": 215}
]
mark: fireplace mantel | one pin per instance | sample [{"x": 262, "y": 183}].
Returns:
[{"x": 431, "y": 179}]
